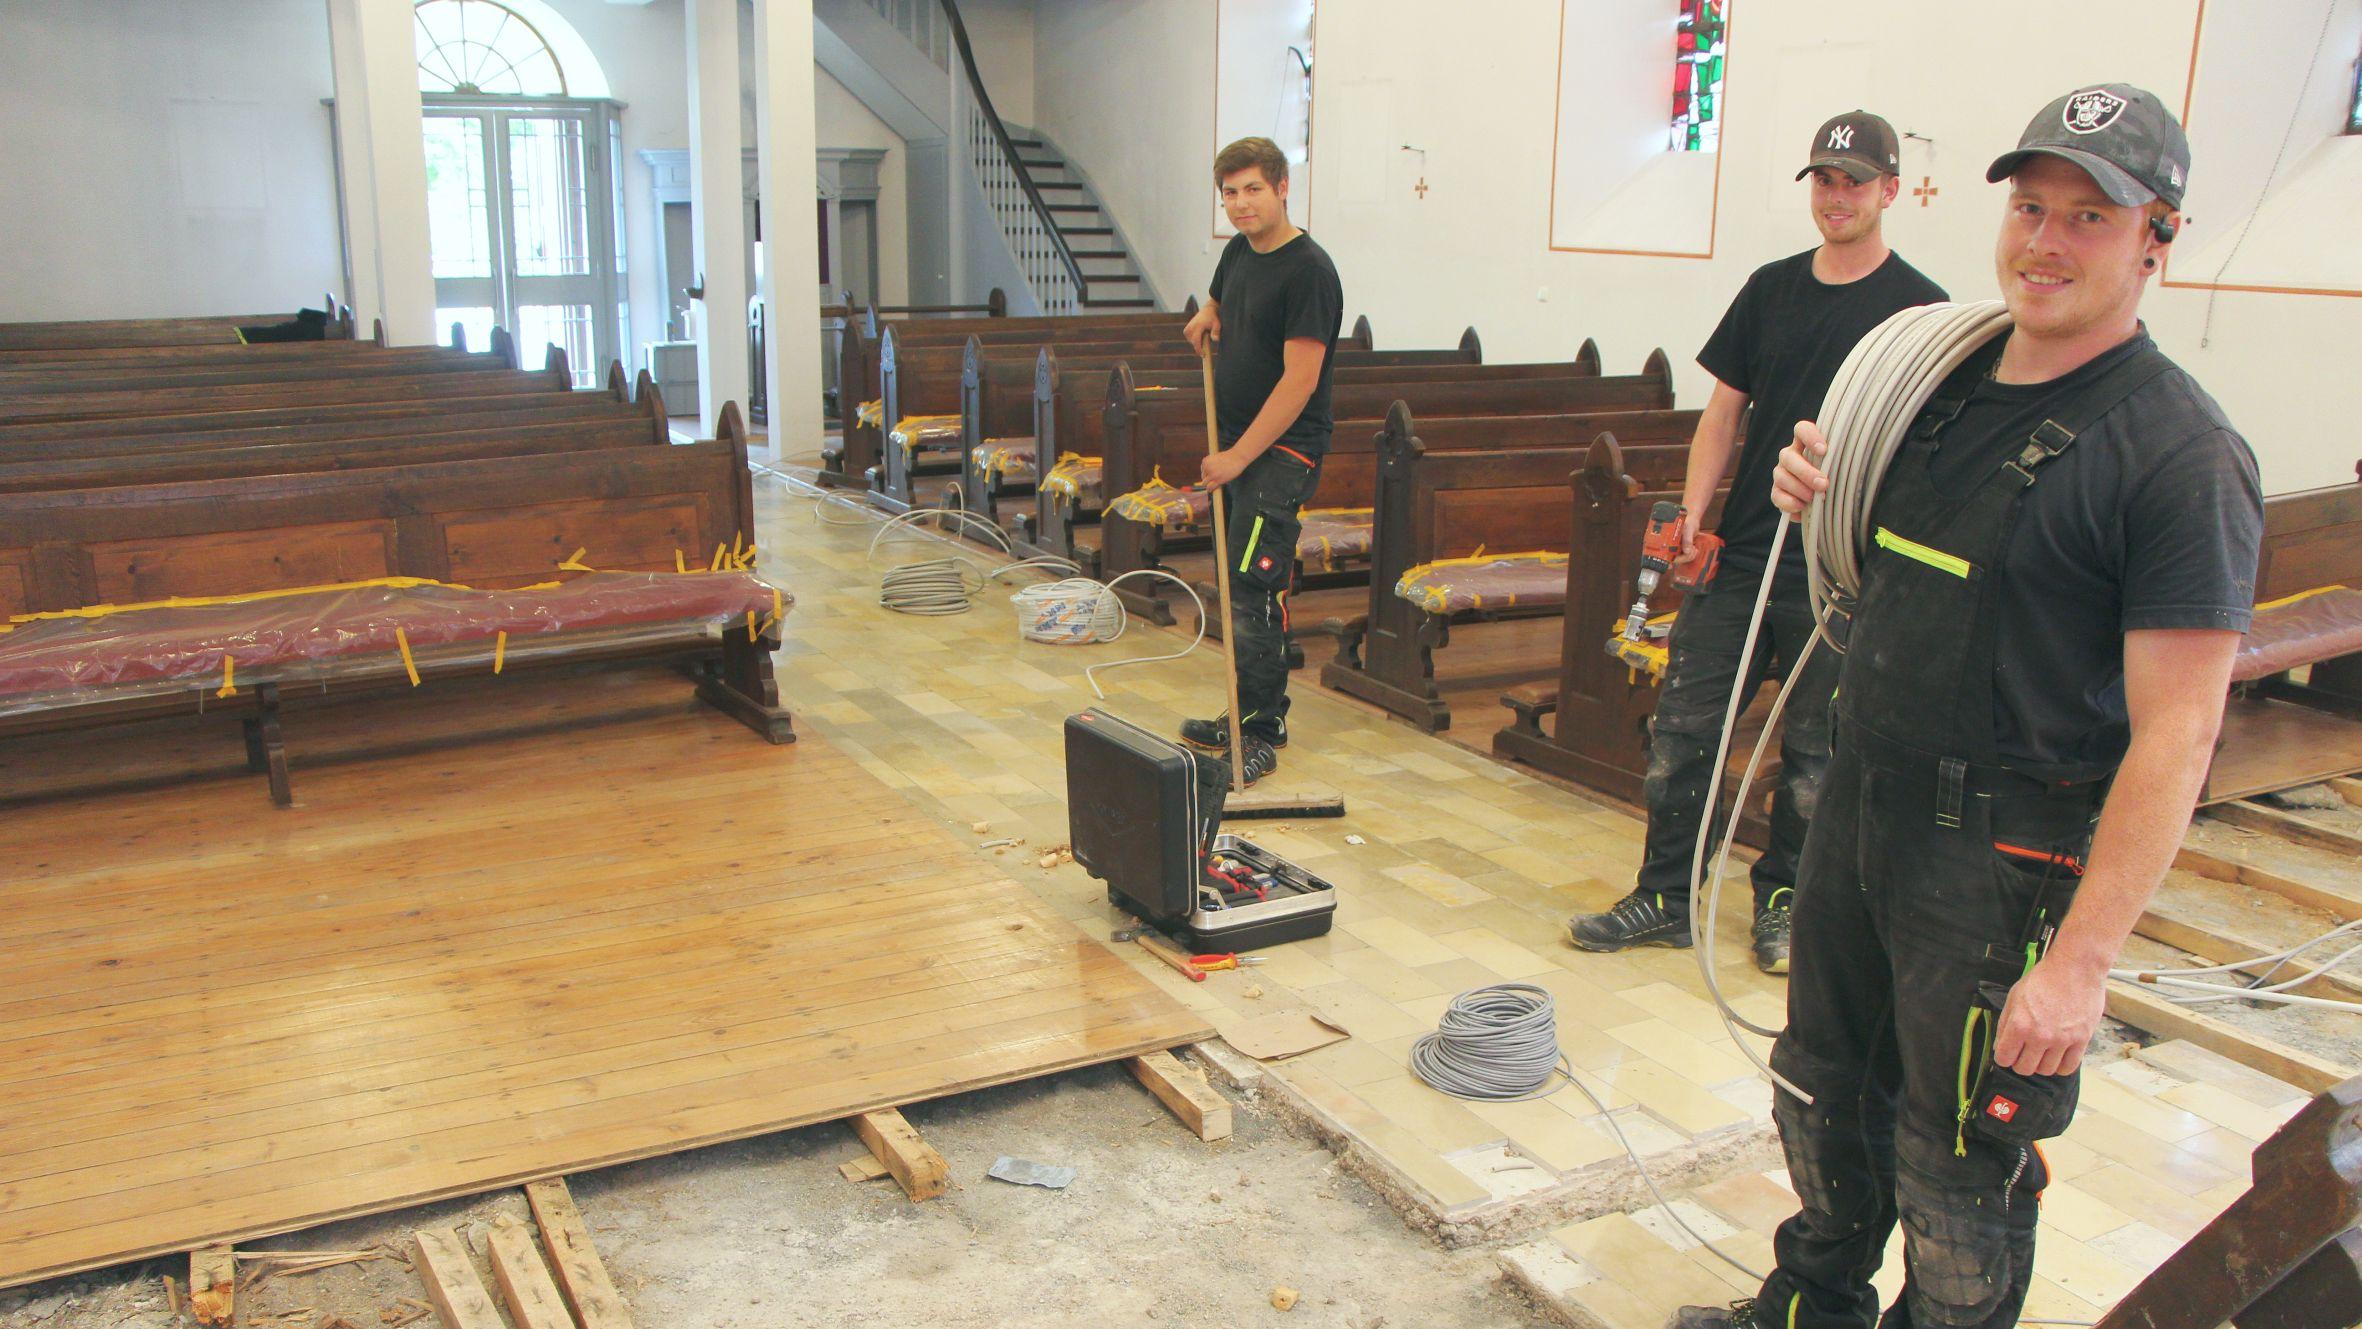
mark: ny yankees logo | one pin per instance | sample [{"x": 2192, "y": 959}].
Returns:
[{"x": 1841, "y": 138}]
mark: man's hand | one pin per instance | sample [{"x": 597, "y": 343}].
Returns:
[
  {"x": 1204, "y": 327},
  {"x": 1219, "y": 469},
  {"x": 2051, "y": 1016},
  {"x": 1798, "y": 481},
  {"x": 1689, "y": 536}
]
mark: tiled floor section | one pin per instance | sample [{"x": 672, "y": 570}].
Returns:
[
  {"x": 2160, "y": 1146},
  {"x": 1465, "y": 875},
  {"x": 1465, "y": 872}
]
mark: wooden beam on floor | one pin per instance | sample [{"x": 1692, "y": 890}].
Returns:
[
  {"x": 2205, "y": 863},
  {"x": 2146, "y": 1010},
  {"x": 895, "y": 1143},
  {"x": 213, "y": 1285},
  {"x": 451, "y": 1281},
  {"x": 2347, "y": 788},
  {"x": 525, "y": 1285},
  {"x": 2220, "y": 945},
  {"x": 582, "y": 1275},
  {"x": 2288, "y": 826},
  {"x": 1183, "y": 1088}
]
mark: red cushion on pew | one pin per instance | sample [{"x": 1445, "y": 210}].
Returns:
[{"x": 2320, "y": 626}]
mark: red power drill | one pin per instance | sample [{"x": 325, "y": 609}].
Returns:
[{"x": 1660, "y": 552}]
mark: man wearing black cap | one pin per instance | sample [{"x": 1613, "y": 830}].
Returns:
[
  {"x": 2064, "y": 562},
  {"x": 1778, "y": 346}
]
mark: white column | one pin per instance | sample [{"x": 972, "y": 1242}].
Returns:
[
  {"x": 717, "y": 208},
  {"x": 787, "y": 139},
  {"x": 383, "y": 150}
]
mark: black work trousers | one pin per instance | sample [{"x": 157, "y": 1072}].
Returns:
[
  {"x": 1703, "y": 664},
  {"x": 1898, "y": 918},
  {"x": 1264, "y": 504}
]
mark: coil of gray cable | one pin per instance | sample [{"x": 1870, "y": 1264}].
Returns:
[
  {"x": 1498, "y": 1044},
  {"x": 1878, "y": 391}
]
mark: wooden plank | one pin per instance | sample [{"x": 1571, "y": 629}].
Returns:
[
  {"x": 2146, "y": 1010},
  {"x": 525, "y": 1286},
  {"x": 865, "y": 1168},
  {"x": 581, "y": 1274},
  {"x": 2349, "y": 789},
  {"x": 2344, "y": 908},
  {"x": 2288, "y": 826},
  {"x": 1183, "y": 1089},
  {"x": 213, "y": 1285},
  {"x": 895, "y": 1143},
  {"x": 451, "y": 1281},
  {"x": 636, "y": 1013}
]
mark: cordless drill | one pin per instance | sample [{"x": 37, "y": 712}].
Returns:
[{"x": 1660, "y": 552}]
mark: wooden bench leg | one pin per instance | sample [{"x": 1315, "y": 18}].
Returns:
[
  {"x": 265, "y": 750},
  {"x": 746, "y": 690}
]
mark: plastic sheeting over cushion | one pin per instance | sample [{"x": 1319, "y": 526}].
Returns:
[
  {"x": 871, "y": 413},
  {"x": 927, "y": 435},
  {"x": 2300, "y": 630},
  {"x": 1012, "y": 459},
  {"x": 1159, "y": 504},
  {"x": 1334, "y": 537},
  {"x": 1076, "y": 479},
  {"x": 1486, "y": 581},
  {"x": 105, "y": 653}
]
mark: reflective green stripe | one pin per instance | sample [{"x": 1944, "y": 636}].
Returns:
[
  {"x": 1968, "y": 1038},
  {"x": 1795, "y": 1299},
  {"x": 1934, "y": 558},
  {"x": 1252, "y": 536}
]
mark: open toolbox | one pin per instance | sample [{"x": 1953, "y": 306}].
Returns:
[{"x": 1144, "y": 815}]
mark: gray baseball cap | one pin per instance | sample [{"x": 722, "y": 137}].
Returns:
[
  {"x": 1858, "y": 143},
  {"x": 2122, "y": 135}
]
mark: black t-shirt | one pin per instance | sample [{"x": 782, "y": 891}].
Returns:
[
  {"x": 1781, "y": 342},
  {"x": 1266, "y": 300},
  {"x": 2152, "y": 518}
]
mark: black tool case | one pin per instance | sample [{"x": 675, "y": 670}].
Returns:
[{"x": 1144, "y": 815}]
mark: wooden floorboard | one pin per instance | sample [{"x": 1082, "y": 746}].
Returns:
[{"x": 481, "y": 963}]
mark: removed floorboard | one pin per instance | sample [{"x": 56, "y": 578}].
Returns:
[
  {"x": 457, "y": 969},
  {"x": 581, "y": 1274}
]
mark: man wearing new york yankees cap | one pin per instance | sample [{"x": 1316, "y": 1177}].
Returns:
[
  {"x": 1775, "y": 350},
  {"x": 2033, "y": 678}
]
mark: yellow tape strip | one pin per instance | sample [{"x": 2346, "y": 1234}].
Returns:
[
  {"x": 229, "y": 677},
  {"x": 680, "y": 562},
  {"x": 402, "y": 639},
  {"x": 716, "y": 565},
  {"x": 499, "y": 651},
  {"x": 750, "y": 625},
  {"x": 574, "y": 562},
  {"x": 2300, "y": 595},
  {"x": 248, "y": 597}
]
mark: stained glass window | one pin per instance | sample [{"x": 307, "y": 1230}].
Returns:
[
  {"x": 1698, "y": 47},
  {"x": 483, "y": 46}
]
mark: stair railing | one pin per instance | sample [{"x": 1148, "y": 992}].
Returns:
[
  {"x": 1039, "y": 247},
  {"x": 919, "y": 21}
]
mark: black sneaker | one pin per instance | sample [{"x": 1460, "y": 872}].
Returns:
[
  {"x": 1771, "y": 933},
  {"x": 1214, "y": 735},
  {"x": 1639, "y": 919},
  {"x": 1737, "y": 1315}
]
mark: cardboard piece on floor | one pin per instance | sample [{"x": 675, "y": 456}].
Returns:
[{"x": 1278, "y": 1037}]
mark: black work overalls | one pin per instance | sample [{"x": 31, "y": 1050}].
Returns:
[{"x": 1931, "y": 867}]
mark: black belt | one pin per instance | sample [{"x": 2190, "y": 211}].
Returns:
[{"x": 1952, "y": 779}]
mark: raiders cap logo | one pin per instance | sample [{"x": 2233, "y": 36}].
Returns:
[{"x": 2090, "y": 112}]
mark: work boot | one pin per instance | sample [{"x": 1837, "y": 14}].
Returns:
[
  {"x": 1214, "y": 735},
  {"x": 1639, "y": 919},
  {"x": 1771, "y": 933},
  {"x": 1260, "y": 759},
  {"x": 1737, "y": 1315}
]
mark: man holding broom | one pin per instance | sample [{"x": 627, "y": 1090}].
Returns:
[{"x": 1274, "y": 308}]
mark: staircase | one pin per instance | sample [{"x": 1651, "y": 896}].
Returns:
[
  {"x": 1111, "y": 279},
  {"x": 1060, "y": 250}
]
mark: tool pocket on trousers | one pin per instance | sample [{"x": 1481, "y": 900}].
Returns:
[
  {"x": 1266, "y": 556},
  {"x": 2016, "y": 1110}
]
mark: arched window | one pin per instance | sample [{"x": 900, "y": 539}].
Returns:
[{"x": 483, "y": 46}]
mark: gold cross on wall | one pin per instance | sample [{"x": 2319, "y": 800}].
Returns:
[{"x": 1925, "y": 191}]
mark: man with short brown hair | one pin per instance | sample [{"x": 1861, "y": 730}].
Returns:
[{"x": 1274, "y": 307}]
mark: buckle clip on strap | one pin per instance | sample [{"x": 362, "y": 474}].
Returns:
[
  {"x": 1937, "y": 416},
  {"x": 2049, "y": 439},
  {"x": 1951, "y": 790}
]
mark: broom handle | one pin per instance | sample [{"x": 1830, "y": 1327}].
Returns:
[{"x": 1238, "y": 746}]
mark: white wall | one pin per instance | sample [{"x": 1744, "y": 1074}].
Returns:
[
  {"x": 1480, "y": 98},
  {"x": 1126, "y": 88},
  {"x": 1001, "y": 32},
  {"x": 845, "y": 123},
  {"x": 1617, "y": 184},
  {"x": 1260, "y": 91},
  {"x": 163, "y": 158}
]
